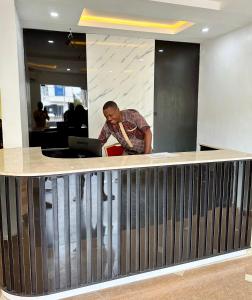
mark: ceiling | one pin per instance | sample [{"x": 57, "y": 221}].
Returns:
[
  {"x": 58, "y": 57},
  {"x": 220, "y": 16}
]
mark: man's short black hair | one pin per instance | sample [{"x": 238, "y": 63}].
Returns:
[
  {"x": 40, "y": 105},
  {"x": 110, "y": 104}
]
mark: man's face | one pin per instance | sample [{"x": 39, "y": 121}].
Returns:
[{"x": 112, "y": 115}]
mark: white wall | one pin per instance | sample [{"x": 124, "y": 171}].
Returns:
[
  {"x": 225, "y": 91},
  {"x": 120, "y": 69},
  {"x": 12, "y": 78}
]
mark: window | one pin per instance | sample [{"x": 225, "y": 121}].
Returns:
[{"x": 56, "y": 98}]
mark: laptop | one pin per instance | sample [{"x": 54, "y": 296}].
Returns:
[{"x": 89, "y": 147}]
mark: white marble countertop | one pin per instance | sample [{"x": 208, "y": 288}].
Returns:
[{"x": 31, "y": 161}]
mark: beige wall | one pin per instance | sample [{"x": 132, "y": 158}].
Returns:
[
  {"x": 0, "y": 106},
  {"x": 12, "y": 78}
]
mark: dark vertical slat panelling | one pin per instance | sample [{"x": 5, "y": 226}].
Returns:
[
  {"x": 234, "y": 201},
  {"x": 245, "y": 203},
  {"x": 123, "y": 221},
  {"x": 55, "y": 234},
  {"x": 6, "y": 242},
  {"x": 83, "y": 192},
  {"x": 155, "y": 218},
  {"x": 142, "y": 220},
  {"x": 8, "y": 235},
  {"x": 128, "y": 223},
  {"x": 133, "y": 221},
  {"x": 13, "y": 233},
  {"x": 79, "y": 251},
  {"x": 218, "y": 208},
  {"x": 2, "y": 221},
  {"x": 151, "y": 219},
  {"x": 137, "y": 249},
  {"x": 210, "y": 210},
  {"x": 146, "y": 218},
  {"x": 171, "y": 215},
  {"x": 32, "y": 235},
  {"x": 109, "y": 224},
  {"x": 231, "y": 220},
  {"x": 249, "y": 210},
  {"x": 179, "y": 214},
  {"x": 23, "y": 189},
  {"x": 160, "y": 229},
  {"x": 190, "y": 212},
  {"x": 203, "y": 210},
  {"x": 160, "y": 216},
  {"x": 198, "y": 206},
  {"x": 182, "y": 213},
  {"x": 224, "y": 207},
  {"x": 195, "y": 211},
  {"x": 42, "y": 209},
  {"x": 89, "y": 227},
  {"x": 49, "y": 231},
  {"x": 207, "y": 217},
  {"x": 164, "y": 216},
  {"x": 239, "y": 206},
  {"x": 119, "y": 205},
  {"x": 228, "y": 201},
  {"x": 38, "y": 235},
  {"x": 2, "y": 256},
  {"x": 99, "y": 225},
  {"x": 67, "y": 232},
  {"x": 186, "y": 200},
  {"x": 214, "y": 203}
]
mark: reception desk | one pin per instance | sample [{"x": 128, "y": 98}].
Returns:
[{"x": 69, "y": 223}]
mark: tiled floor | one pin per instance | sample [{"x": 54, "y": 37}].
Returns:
[{"x": 216, "y": 282}]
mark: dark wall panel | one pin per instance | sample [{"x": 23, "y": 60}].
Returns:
[{"x": 175, "y": 96}]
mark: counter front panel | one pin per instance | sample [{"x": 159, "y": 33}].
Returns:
[{"x": 65, "y": 231}]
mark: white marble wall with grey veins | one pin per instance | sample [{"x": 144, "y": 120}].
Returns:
[{"x": 120, "y": 69}]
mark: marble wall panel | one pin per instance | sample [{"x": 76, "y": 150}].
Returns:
[{"x": 119, "y": 69}]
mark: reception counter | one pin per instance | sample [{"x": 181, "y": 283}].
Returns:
[{"x": 69, "y": 223}]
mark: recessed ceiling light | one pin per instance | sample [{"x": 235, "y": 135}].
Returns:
[
  {"x": 68, "y": 69},
  {"x": 54, "y": 14},
  {"x": 161, "y": 50},
  {"x": 206, "y": 29},
  {"x": 110, "y": 71},
  {"x": 50, "y": 41}
]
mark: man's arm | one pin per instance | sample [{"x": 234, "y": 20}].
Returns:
[
  {"x": 46, "y": 115},
  {"x": 104, "y": 134},
  {"x": 147, "y": 141},
  {"x": 145, "y": 128}
]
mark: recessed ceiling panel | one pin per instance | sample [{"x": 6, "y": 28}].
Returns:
[
  {"x": 97, "y": 19},
  {"x": 208, "y": 4}
]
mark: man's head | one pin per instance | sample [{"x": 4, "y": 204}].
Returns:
[
  {"x": 71, "y": 106},
  {"x": 112, "y": 112},
  {"x": 40, "y": 105}
]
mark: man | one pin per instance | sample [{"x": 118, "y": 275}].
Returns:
[
  {"x": 69, "y": 115},
  {"x": 128, "y": 127},
  {"x": 40, "y": 116}
]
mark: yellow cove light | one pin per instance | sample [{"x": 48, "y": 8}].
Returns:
[{"x": 174, "y": 27}]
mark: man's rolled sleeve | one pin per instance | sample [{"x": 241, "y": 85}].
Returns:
[{"x": 141, "y": 122}]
